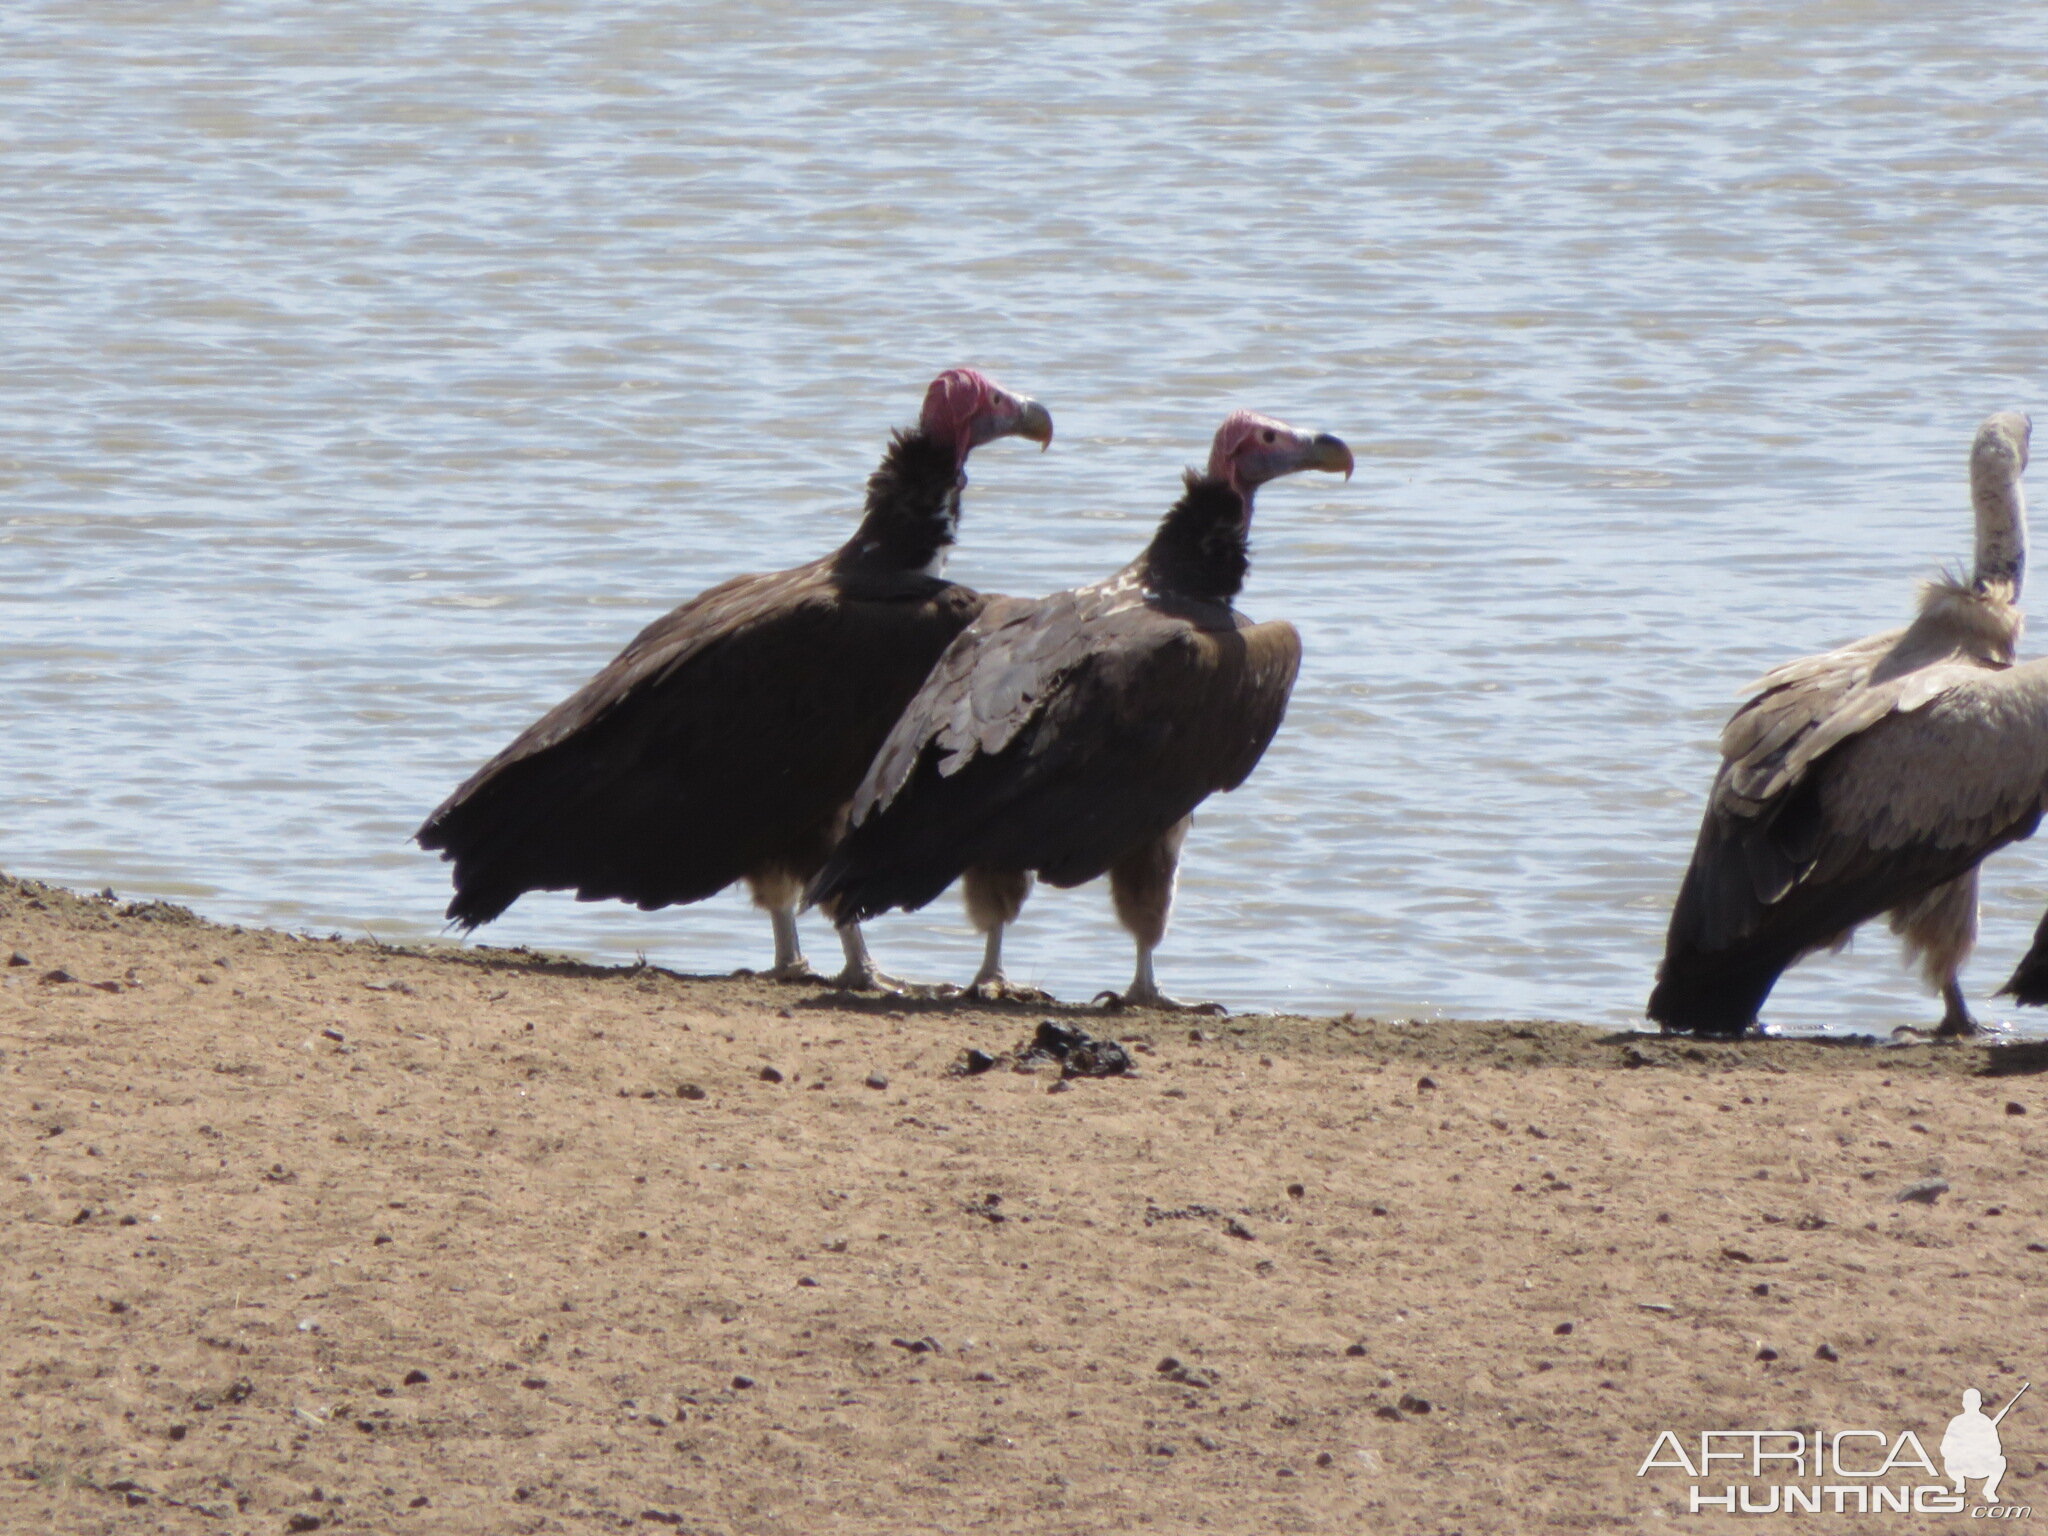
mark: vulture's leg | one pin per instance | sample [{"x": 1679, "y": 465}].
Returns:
[
  {"x": 994, "y": 897},
  {"x": 1141, "y": 887},
  {"x": 1955, "y": 1017},
  {"x": 1143, "y": 992},
  {"x": 1940, "y": 929},
  {"x": 790, "y": 964},
  {"x": 778, "y": 892},
  {"x": 860, "y": 973}
]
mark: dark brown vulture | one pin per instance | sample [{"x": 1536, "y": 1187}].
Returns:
[
  {"x": 2028, "y": 984},
  {"x": 725, "y": 742},
  {"x": 1074, "y": 735},
  {"x": 1873, "y": 779}
]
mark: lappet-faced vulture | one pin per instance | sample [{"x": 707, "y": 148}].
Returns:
[
  {"x": 1074, "y": 735},
  {"x": 1873, "y": 779},
  {"x": 725, "y": 742}
]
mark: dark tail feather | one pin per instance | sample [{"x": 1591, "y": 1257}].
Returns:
[
  {"x": 474, "y": 905},
  {"x": 1713, "y": 994},
  {"x": 2028, "y": 984},
  {"x": 1715, "y": 974},
  {"x": 523, "y": 828},
  {"x": 477, "y": 899},
  {"x": 853, "y": 890}
]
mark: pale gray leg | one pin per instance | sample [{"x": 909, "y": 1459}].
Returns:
[
  {"x": 1955, "y": 1018},
  {"x": 860, "y": 973},
  {"x": 1141, "y": 888},
  {"x": 993, "y": 898},
  {"x": 1143, "y": 992},
  {"x": 991, "y": 972},
  {"x": 1940, "y": 930},
  {"x": 777, "y": 892},
  {"x": 790, "y": 964}
]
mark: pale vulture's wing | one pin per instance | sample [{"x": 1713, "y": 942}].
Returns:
[
  {"x": 1960, "y": 763},
  {"x": 1824, "y": 764},
  {"x": 1798, "y": 710}
]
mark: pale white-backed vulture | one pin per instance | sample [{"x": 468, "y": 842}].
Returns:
[{"x": 1873, "y": 779}]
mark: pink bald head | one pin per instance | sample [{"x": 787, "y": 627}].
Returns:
[
  {"x": 967, "y": 409},
  {"x": 1251, "y": 449}
]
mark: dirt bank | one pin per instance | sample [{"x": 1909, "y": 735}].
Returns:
[{"x": 322, "y": 1235}]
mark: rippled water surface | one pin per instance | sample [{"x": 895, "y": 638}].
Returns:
[{"x": 372, "y": 372}]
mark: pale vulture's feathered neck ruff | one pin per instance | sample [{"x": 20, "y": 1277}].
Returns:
[{"x": 1976, "y": 618}]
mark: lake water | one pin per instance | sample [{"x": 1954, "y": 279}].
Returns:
[{"x": 372, "y": 372}]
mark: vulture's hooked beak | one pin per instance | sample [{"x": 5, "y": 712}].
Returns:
[
  {"x": 1328, "y": 452},
  {"x": 1035, "y": 422}
]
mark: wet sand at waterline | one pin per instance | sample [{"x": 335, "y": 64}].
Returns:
[{"x": 308, "y": 1234}]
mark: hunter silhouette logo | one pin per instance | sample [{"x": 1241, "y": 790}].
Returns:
[
  {"x": 1971, "y": 1447},
  {"x": 1844, "y": 1471}
]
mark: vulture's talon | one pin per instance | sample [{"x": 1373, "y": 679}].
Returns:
[
  {"x": 797, "y": 972},
  {"x": 873, "y": 980}
]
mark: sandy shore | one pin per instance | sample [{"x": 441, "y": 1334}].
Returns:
[{"x": 325, "y": 1235}]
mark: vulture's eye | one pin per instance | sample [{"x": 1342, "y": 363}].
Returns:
[{"x": 1269, "y": 434}]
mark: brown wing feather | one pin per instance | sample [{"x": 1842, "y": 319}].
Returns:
[
  {"x": 1791, "y": 702},
  {"x": 990, "y": 682},
  {"x": 1057, "y": 737},
  {"x": 725, "y": 740},
  {"x": 718, "y": 613},
  {"x": 1956, "y": 773}
]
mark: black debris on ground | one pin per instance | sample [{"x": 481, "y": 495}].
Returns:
[
  {"x": 1077, "y": 1052},
  {"x": 1074, "y": 1051},
  {"x": 972, "y": 1063}
]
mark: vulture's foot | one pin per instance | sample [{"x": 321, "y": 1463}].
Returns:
[
  {"x": 860, "y": 973},
  {"x": 869, "y": 977},
  {"x": 797, "y": 972},
  {"x": 995, "y": 987},
  {"x": 1955, "y": 1019},
  {"x": 1152, "y": 997}
]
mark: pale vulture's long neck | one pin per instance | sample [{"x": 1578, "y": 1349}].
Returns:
[{"x": 2001, "y": 529}]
